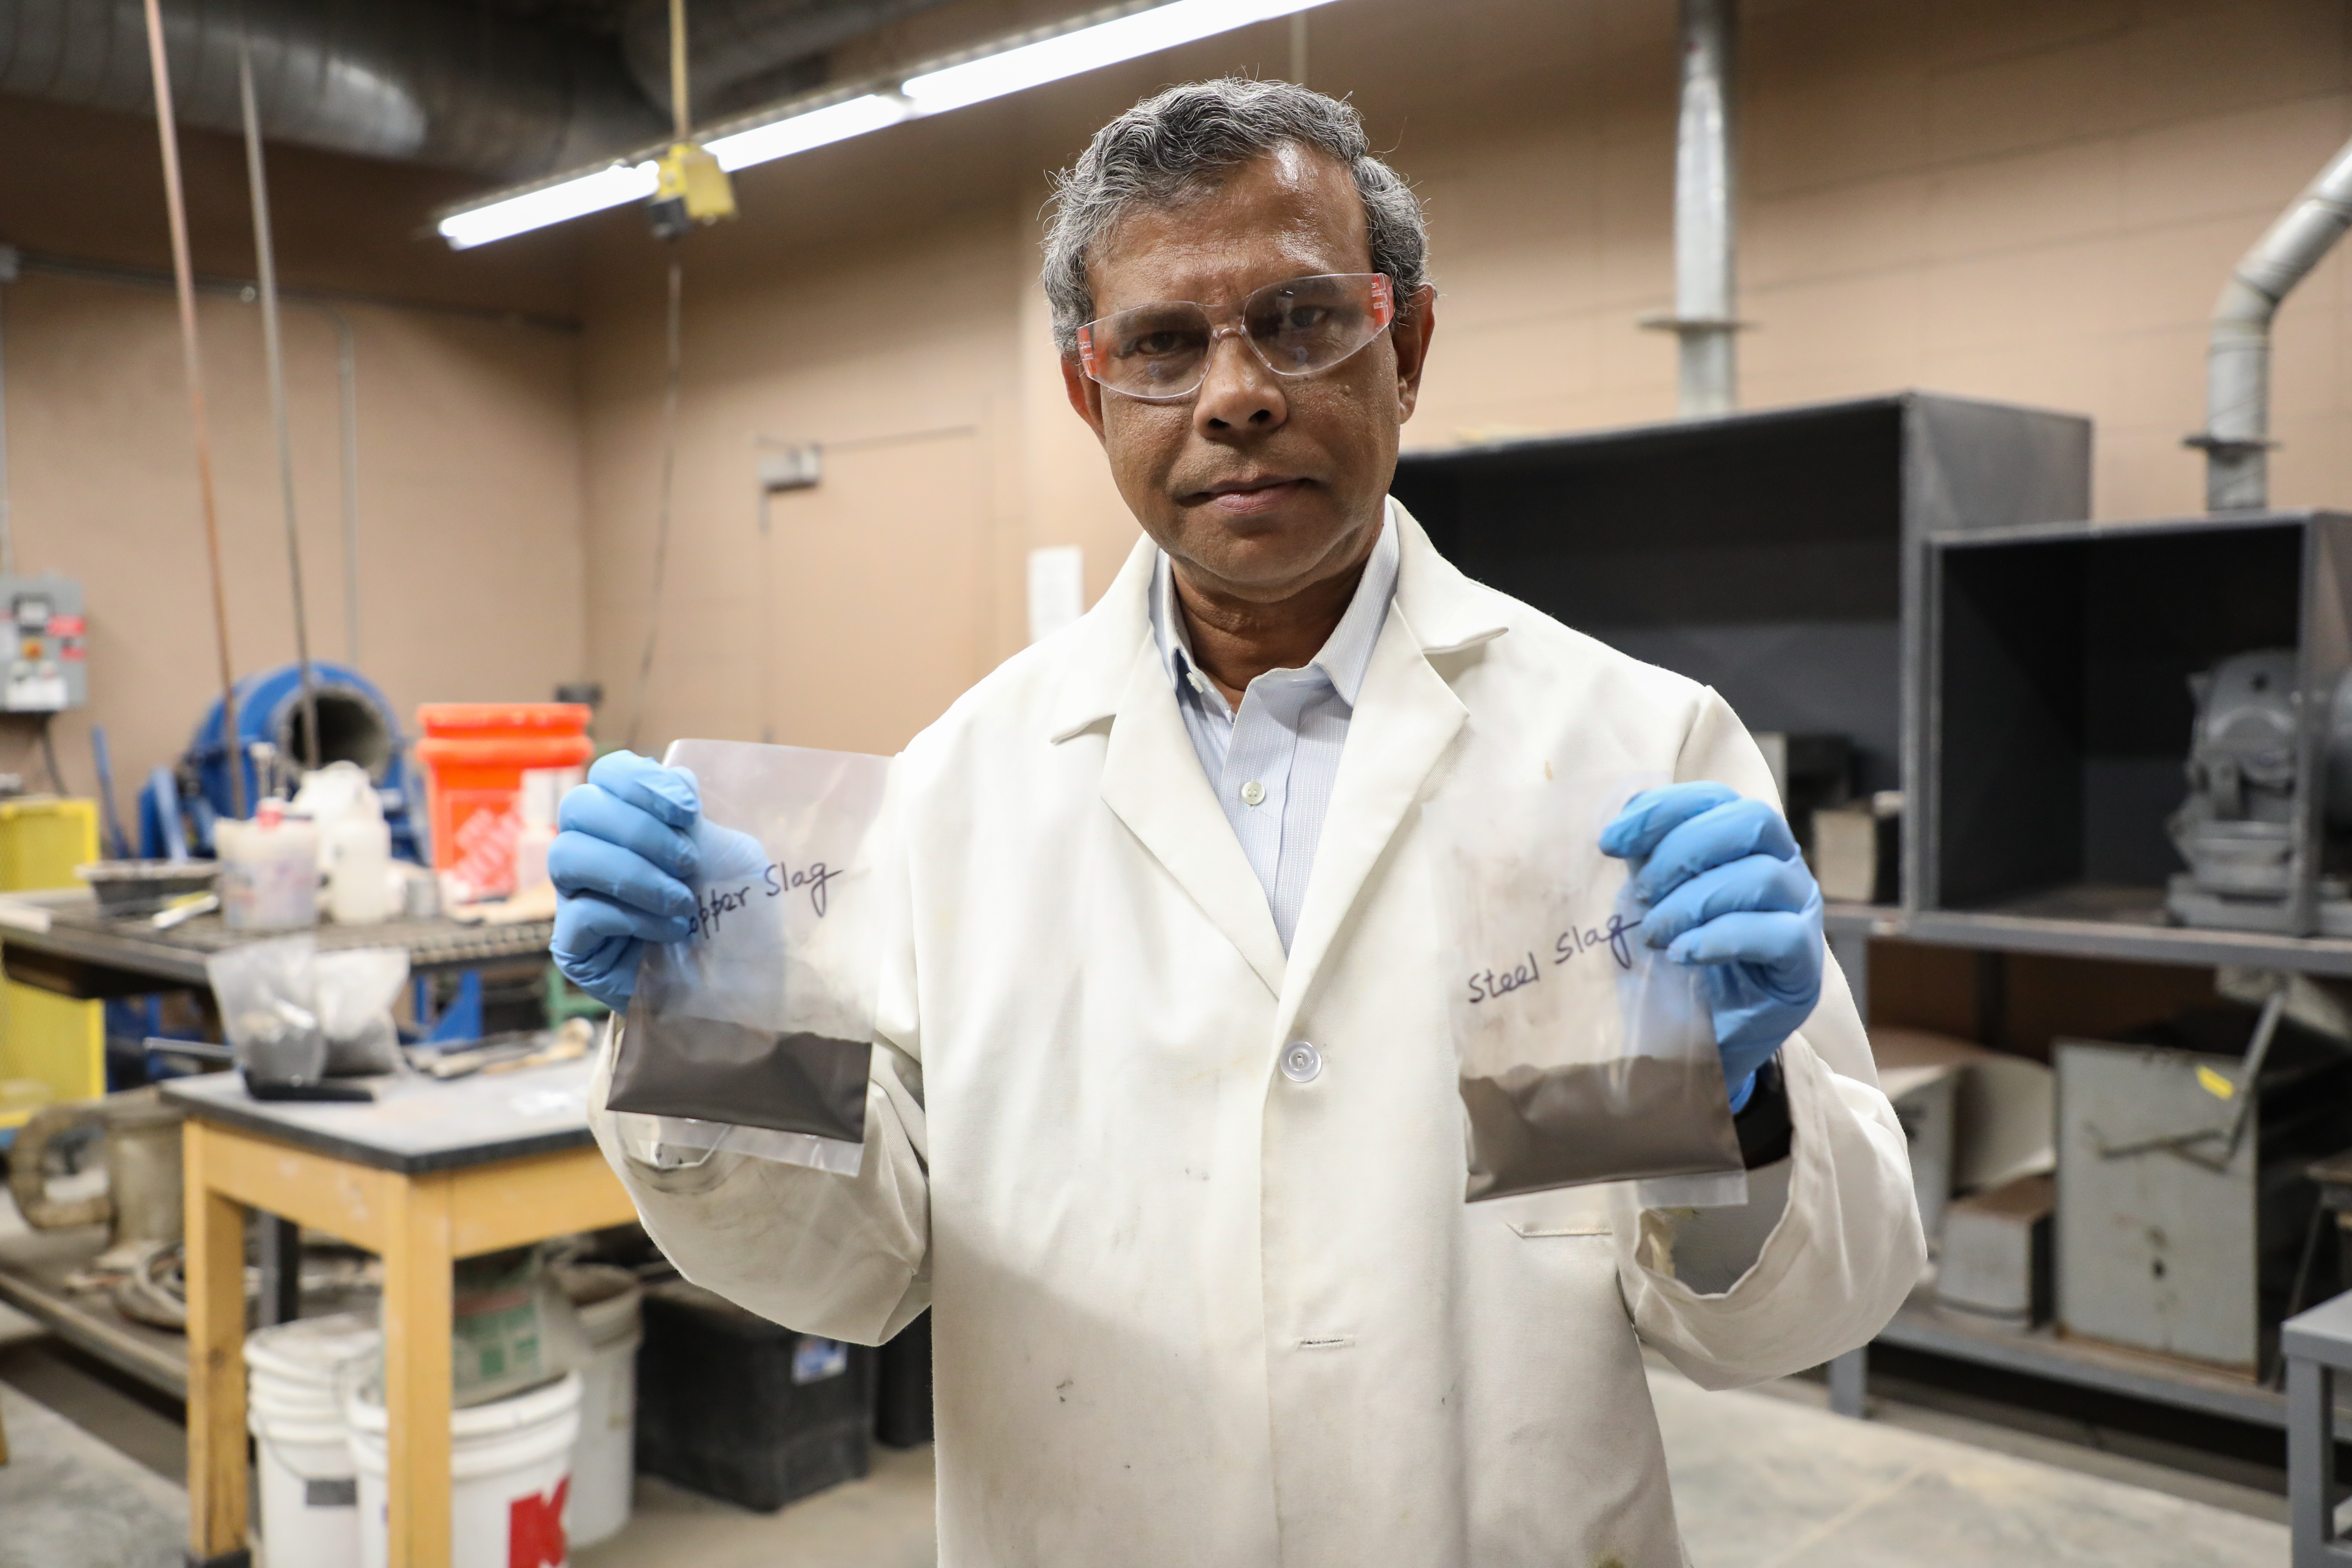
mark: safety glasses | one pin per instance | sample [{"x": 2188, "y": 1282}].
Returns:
[{"x": 1160, "y": 353}]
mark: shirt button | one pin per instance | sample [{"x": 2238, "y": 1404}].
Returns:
[
  {"x": 1301, "y": 1062},
  {"x": 1252, "y": 793}
]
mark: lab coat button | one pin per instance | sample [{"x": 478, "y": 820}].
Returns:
[
  {"x": 1301, "y": 1062},
  {"x": 1252, "y": 793}
]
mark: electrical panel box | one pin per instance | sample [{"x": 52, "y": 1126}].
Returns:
[{"x": 48, "y": 670}]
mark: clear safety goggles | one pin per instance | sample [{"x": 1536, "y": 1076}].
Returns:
[{"x": 1160, "y": 353}]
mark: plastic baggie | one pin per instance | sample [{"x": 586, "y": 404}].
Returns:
[
  {"x": 354, "y": 990},
  {"x": 268, "y": 1009},
  {"x": 294, "y": 1014},
  {"x": 1585, "y": 1055},
  {"x": 755, "y": 1034}
]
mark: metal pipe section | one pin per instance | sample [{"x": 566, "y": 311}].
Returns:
[
  {"x": 2236, "y": 438},
  {"x": 430, "y": 81},
  {"x": 1705, "y": 188},
  {"x": 273, "y": 351},
  {"x": 183, "y": 273}
]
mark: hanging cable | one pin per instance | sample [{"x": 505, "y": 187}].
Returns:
[
  {"x": 662, "y": 503},
  {"x": 680, "y": 116},
  {"x": 192, "y": 364},
  {"x": 265, "y": 252}
]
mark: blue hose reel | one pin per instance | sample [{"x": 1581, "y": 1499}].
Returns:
[{"x": 356, "y": 724}]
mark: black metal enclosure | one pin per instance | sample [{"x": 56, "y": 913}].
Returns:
[
  {"x": 1767, "y": 555},
  {"x": 2058, "y": 712}
]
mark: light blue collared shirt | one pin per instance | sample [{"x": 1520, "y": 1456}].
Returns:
[{"x": 1273, "y": 764}]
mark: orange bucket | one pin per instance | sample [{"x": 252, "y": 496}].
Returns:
[{"x": 474, "y": 755}]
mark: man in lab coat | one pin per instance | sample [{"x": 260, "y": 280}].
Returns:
[{"x": 1163, "y": 1119}]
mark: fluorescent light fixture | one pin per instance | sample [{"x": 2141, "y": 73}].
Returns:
[
  {"x": 1069, "y": 53},
  {"x": 607, "y": 187},
  {"x": 799, "y": 132},
  {"x": 1089, "y": 49}
]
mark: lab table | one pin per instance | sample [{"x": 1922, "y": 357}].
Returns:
[{"x": 428, "y": 1172}]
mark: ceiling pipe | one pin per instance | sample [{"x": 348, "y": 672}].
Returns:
[
  {"x": 1705, "y": 187},
  {"x": 2236, "y": 437},
  {"x": 428, "y": 81}
]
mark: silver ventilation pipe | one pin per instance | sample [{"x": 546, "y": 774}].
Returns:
[
  {"x": 429, "y": 81},
  {"x": 1705, "y": 150},
  {"x": 2236, "y": 437},
  {"x": 745, "y": 53}
]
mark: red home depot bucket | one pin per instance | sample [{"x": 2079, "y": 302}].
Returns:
[{"x": 475, "y": 755}]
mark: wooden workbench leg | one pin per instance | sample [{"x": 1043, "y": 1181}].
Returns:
[
  {"x": 416, "y": 1315},
  {"x": 216, "y": 1275}
]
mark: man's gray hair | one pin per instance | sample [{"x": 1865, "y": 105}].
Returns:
[{"x": 1170, "y": 146}]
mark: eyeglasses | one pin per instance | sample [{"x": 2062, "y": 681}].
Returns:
[{"x": 1160, "y": 353}]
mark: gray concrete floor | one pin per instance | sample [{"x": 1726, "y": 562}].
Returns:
[
  {"x": 69, "y": 1501},
  {"x": 1763, "y": 1478}
]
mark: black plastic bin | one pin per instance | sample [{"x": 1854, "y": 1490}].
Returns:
[
  {"x": 735, "y": 1406},
  {"x": 902, "y": 1391}
]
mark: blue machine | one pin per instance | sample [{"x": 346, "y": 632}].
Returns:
[{"x": 356, "y": 724}]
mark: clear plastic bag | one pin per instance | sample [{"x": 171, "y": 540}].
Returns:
[
  {"x": 270, "y": 1011},
  {"x": 354, "y": 991},
  {"x": 1585, "y": 1055},
  {"x": 755, "y": 1034}
]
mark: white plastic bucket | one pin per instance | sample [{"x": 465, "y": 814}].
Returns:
[
  {"x": 604, "y": 1459},
  {"x": 509, "y": 1477},
  {"x": 309, "y": 1501}
]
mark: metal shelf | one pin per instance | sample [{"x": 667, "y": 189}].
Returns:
[
  {"x": 2124, "y": 934},
  {"x": 89, "y": 1324},
  {"x": 2042, "y": 1353}
]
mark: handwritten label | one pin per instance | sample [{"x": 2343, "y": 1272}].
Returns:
[
  {"x": 1493, "y": 985},
  {"x": 715, "y": 904}
]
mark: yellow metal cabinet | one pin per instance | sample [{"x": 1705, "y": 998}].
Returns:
[{"x": 50, "y": 1049}]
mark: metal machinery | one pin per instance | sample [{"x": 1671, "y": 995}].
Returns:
[
  {"x": 2183, "y": 1216},
  {"x": 356, "y": 724},
  {"x": 2237, "y": 829}
]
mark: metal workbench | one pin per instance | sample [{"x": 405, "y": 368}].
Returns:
[{"x": 58, "y": 941}]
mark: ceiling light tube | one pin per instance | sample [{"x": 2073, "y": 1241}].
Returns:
[
  {"x": 1089, "y": 49},
  {"x": 608, "y": 188},
  {"x": 1080, "y": 48},
  {"x": 799, "y": 132}
]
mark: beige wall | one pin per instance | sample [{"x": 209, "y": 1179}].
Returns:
[
  {"x": 2034, "y": 200},
  {"x": 470, "y": 548},
  {"x": 2031, "y": 200}
]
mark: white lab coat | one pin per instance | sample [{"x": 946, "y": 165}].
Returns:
[{"x": 1187, "y": 1310}]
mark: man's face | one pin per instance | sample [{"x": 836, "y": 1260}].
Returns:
[{"x": 1260, "y": 485}]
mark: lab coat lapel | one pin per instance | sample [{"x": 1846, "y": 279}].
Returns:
[
  {"x": 1152, "y": 780},
  {"x": 1406, "y": 716}
]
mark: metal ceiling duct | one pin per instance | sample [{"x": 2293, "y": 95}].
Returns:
[
  {"x": 427, "y": 81},
  {"x": 1706, "y": 150},
  {"x": 2236, "y": 437},
  {"x": 745, "y": 52}
]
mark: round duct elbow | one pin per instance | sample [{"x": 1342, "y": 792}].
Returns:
[{"x": 426, "y": 81}]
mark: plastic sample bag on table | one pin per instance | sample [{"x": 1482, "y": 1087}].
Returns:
[
  {"x": 1585, "y": 1055},
  {"x": 755, "y": 1034}
]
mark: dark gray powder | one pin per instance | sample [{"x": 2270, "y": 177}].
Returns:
[
  {"x": 1535, "y": 1127},
  {"x": 668, "y": 1064}
]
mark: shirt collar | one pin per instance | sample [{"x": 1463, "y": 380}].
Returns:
[{"x": 1344, "y": 655}]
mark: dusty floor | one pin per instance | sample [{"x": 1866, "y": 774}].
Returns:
[{"x": 1763, "y": 1480}]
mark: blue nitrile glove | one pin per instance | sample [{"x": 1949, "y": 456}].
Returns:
[
  {"x": 1724, "y": 885},
  {"x": 620, "y": 868}
]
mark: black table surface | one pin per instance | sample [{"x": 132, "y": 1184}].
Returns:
[{"x": 417, "y": 1124}]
